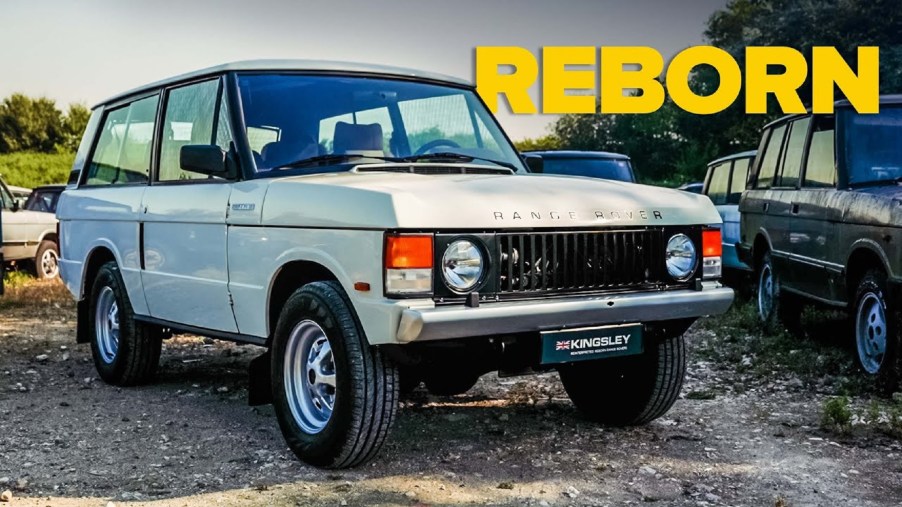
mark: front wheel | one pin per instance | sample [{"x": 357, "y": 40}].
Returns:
[
  {"x": 335, "y": 395},
  {"x": 630, "y": 390},
  {"x": 877, "y": 337}
]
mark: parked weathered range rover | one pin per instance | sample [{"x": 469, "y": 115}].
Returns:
[
  {"x": 821, "y": 224},
  {"x": 357, "y": 221}
]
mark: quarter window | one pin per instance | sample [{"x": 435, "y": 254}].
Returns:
[
  {"x": 718, "y": 184},
  {"x": 792, "y": 158},
  {"x": 122, "y": 154},
  {"x": 189, "y": 119},
  {"x": 820, "y": 170},
  {"x": 769, "y": 156},
  {"x": 740, "y": 177}
]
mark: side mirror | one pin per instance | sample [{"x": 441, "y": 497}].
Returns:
[
  {"x": 534, "y": 163},
  {"x": 16, "y": 205},
  {"x": 206, "y": 159}
]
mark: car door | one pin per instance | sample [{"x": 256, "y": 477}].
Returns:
[
  {"x": 13, "y": 235},
  {"x": 183, "y": 217},
  {"x": 818, "y": 209},
  {"x": 786, "y": 184},
  {"x": 770, "y": 203}
]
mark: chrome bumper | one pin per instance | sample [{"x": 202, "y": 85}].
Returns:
[{"x": 552, "y": 314}]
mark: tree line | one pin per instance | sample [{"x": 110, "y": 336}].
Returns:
[
  {"x": 672, "y": 146},
  {"x": 36, "y": 125}
]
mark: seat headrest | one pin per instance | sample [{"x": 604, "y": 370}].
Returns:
[{"x": 356, "y": 138}]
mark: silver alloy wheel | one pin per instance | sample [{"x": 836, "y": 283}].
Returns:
[
  {"x": 309, "y": 376},
  {"x": 106, "y": 325},
  {"x": 49, "y": 264},
  {"x": 766, "y": 292},
  {"x": 870, "y": 332}
]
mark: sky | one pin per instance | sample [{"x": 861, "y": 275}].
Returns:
[{"x": 88, "y": 50}]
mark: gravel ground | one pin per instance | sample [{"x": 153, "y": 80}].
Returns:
[{"x": 190, "y": 439}]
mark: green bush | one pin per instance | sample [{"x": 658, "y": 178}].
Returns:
[
  {"x": 24, "y": 169},
  {"x": 837, "y": 415}
]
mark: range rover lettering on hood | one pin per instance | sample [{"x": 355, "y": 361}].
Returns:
[{"x": 638, "y": 215}]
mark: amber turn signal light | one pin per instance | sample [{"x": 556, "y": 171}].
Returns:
[{"x": 408, "y": 252}]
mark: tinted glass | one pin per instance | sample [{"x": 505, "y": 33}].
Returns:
[
  {"x": 43, "y": 200},
  {"x": 769, "y": 156},
  {"x": 604, "y": 168},
  {"x": 189, "y": 120},
  {"x": 122, "y": 153},
  {"x": 717, "y": 183},
  {"x": 820, "y": 170},
  {"x": 873, "y": 151},
  {"x": 740, "y": 177},
  {"x": 322, "y": 115},
  {"x": 792, "y": 158}
]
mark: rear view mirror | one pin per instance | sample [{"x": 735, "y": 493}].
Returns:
[
  {"x": 534, "y": 163},
  {"x": 206, "y": 159}
]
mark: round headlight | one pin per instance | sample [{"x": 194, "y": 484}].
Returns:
[
  {"x": 462, "y": 265},
  {"x": 681, "y": 257}
]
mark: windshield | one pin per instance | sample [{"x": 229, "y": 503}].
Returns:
[
  {"x": 873, "y": 145},
  {"x": 43, "y": 200},
  {"x": 606, "y": 168},
  {"x": 295, "y": 117}
]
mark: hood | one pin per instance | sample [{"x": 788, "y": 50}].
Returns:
[{"x": 467, "y": 201}]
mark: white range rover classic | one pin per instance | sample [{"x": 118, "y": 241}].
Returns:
[{"x": 373, "y": 228}]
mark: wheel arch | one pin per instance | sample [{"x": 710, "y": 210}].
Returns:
[
  {"x": 760, "y": 246},
  {"x": 863, "y": 256},
  {"x": 97, "y": 257},
  {"x": 288, "y": 278}
]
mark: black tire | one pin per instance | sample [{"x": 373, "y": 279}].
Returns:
[
  {"x": 47, "y": 268},
  {"x": 137, "y": 355},
  {"x": 632, "y": 390},
  {"x": 776, "y": 308},
  {"x": 870, "y": 307},
  {"x": 366, "y": 382},
  {"x": 443, "y": 382}
]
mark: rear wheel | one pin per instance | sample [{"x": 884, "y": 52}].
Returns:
[
  {"x": 877, "y": 337},
  {"x": 629, "y": 390},
  {"x": 46, "y": 261},
  {"x": 126, "y": 352},
  {"x": 776, "y": 307},
  {"x": 335, "y": 395}
]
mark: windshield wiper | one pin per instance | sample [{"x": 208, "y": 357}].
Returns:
[
  {"x": 448, "y": 155},
  {"x": 332, "y": 158}
]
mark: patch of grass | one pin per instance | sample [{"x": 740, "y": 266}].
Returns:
[
  {"x": 15, "y": 278},
  {"x": 30, "y": 170},
  {"x": 23, "y": 290},
  {"x": 739, "y": 339},
  {"x": 703, "y": 394},
  {"x": 836, "y": 415}
]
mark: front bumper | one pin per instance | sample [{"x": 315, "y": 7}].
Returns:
[{"x": 488, "y": 319}]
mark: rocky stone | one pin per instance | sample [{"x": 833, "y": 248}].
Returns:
[
  {"x": 6, "y": 496},
  {"x": 571, "y": 492},
  {"x": 42, "y": 358}
]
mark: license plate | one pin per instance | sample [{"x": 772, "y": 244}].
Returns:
[{"x": 586, "y": 344}]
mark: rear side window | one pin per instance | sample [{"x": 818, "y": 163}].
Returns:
[
  {"x": 718, "y": 184},
  {"x": 820, "y": 169},
  {"x": 770, "y": 154},
  {"x": 792, "y": 158},
  {"x": 122, "y": 153},
  {"x": 740, "y": 177},
  {"x": 193, "y": 116}
]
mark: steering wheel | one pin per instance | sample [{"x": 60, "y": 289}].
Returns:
[{"x": 435, "y": 144}]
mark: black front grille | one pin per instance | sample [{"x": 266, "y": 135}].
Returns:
[{"x": 566, "y": 262}]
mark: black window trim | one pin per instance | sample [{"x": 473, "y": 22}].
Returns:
[{"x": 107, "y": 109}]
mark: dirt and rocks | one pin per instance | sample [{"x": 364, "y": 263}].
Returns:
[{"x": 190, "y": 438}]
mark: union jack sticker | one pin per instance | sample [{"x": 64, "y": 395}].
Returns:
[{"x": 562, "y": 345}]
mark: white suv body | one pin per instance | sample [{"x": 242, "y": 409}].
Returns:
[{"x": 230, "y": 201}]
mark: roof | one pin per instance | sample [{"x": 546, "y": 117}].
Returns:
[
  {"x": 326, "y": 66},
  {"x": 884, "y": 100},
  {"x": 577, "y": 154},
  {"x": 744, "y": 154}
]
